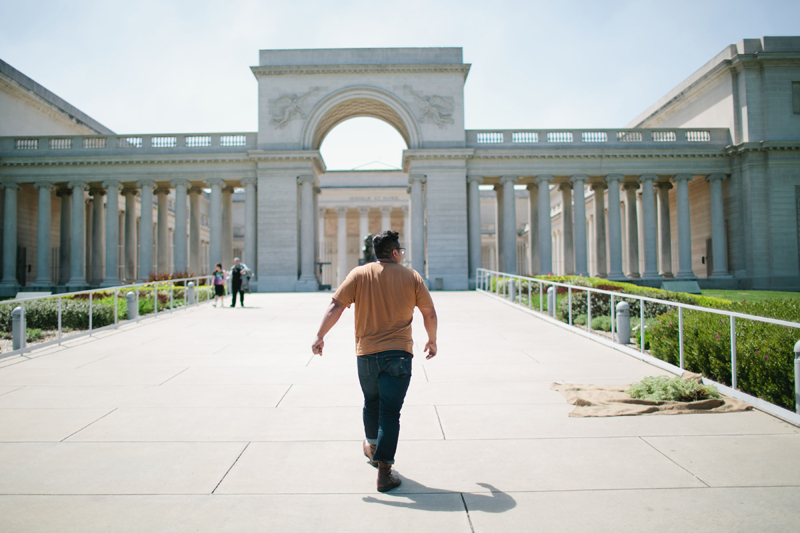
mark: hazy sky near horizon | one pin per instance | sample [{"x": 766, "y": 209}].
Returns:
[{"x": 177, "y": 66}]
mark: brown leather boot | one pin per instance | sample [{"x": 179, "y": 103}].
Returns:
[
  {"x": 387, "y": 480},
  {"x": 369, "y": 451}
]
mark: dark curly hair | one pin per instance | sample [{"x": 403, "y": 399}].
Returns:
[{"x": 384, "y": 242}]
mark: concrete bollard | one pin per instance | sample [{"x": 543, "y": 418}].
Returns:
[
  {"x": 797, "y": 377},
  {"x": 551, "y": 301},
  {"x": 623, "y": 323},
  {"x": 512, "y": 289},
  {"x": 133, "y": 310},
  {"x": 190, "y": 296},
  {"x": 18, "y": 333}
]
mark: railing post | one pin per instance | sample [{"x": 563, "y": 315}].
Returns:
[
  {"x": 569, "y": 297},
  {"x": 530, "y": 292},
  {"x": 734, "y": 379},
  {"x": 641, "y": 324},
  {"x": 90, "y": 312},
  {"x": 589, "y": 310},
  {"x": 611, "y": 311},
  {"x": 59, "y": 318},
  {"x": 680, "y": 334},
  {"x": 116, "y": 306},
  {"x": 155, "y": 299},
  {"x": 797, "y": 377},
  {"x": 171, "y": 295},
  {"x": 541, "y": 298},
  {"x": 133, "y": 308},
  {"x": 623, "y": 323},
  {"x": 18, "y": 333}
]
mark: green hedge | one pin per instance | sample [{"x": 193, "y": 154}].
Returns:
[{"x": 764, "y": 352}]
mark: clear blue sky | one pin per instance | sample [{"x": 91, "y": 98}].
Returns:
[{"x": 182, "y": 66}]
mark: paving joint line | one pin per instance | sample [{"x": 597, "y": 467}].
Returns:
[
  {"x": 284, "y": 395},
  {"x": 89, "y": 424},
  {"x": 698, "y": 478},
  {"x": 175, "y": 376},
  {"x": 444, "y": 437},
  {"x": 466, "y": 510},
  {"x": 231, "y": 467}
]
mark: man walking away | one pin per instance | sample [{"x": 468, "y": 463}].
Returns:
[
  {"x": 385, "y": 294},
  {"x": 236, "y": 281}
]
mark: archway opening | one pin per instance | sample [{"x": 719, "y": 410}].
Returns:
[{"x": 363, "y": 143}]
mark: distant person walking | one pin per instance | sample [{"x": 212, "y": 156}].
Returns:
[
  {"x": 238, "y": 271},
  {"x": 220, "y": 276},
  {"x": 385, "y": 294}
]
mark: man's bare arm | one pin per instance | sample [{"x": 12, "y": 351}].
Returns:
[
  {"x": 332, "y": 315},
  {"x": 431, "y": 323}
]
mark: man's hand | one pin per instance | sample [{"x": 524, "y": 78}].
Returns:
[
  {"x": 317, "y": 346},
  {"x": 430, "y": 348}
]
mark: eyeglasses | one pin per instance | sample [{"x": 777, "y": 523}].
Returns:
[{"x": 402, "y": 250}]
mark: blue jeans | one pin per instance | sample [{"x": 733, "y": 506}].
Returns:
[{"x": 384, "y": 381}]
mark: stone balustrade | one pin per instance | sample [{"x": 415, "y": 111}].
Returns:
[{"x": 717, "y": 138}]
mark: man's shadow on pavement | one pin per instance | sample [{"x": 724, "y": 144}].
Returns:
[{"x": 418, "y": 494}]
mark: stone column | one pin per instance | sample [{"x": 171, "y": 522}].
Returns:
[
  {"x": 614, "y": 228},
  {"x": 131, "y": 246},
  {"x": 499, "y": 233},
  {"x": 43, "y": 236},
  {"x": 77, "y": 273},
  {"x": 194, "y": 231},
  {"x": 227, "y": 227},
  {"x": 533, "y": 230},
  {"x": 180, "y": 235},
  {"x": 406, "y": 228},
  {"x": 65, "y": 236},
  {"x": 307, "y": 281},
  {"x": 250, "y": 222},
  {"x": 10, "y": 235},
  {"x": 685, "y": 270},
  {"x": 111, "y": 278},
  {"x": 649, "y": 229},
  {"x": 633, "y": 229},
  {"x": 545, "y": 226},
  {"x": 215, "y": 214},
  {"x": 98, "y": 236},
  {"x": 417, "y": 224},
  {"x": 600, "y": 228},
  {"x": 162, "y": 232},
  {"x": 567, "y": 225},
  {"x": 474, "y": 226},
  {"x": 718, "y": 245},
  {"x": 146, "y": 229},
  {"x": 341, "y": 249},
  {"x": 579, "y": 211},
  {"x": 509, "y": 223},
  {"x": 386, "y": 218},
  {"x": 363, "y": 223},
  {"x": 664, "y": 239}
]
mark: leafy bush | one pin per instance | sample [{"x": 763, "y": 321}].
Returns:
[
  {"x": 662, "y": 388},
  {"x": 601, "y": 323},
  {"x": 765, "y": 352}
]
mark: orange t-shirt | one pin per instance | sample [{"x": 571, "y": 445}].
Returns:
[{"x": 385, "y": 295}]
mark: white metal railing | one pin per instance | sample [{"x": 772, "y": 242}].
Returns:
[
  {"x": 485, "y": 279},
  {"x": 157, "y": 287}
]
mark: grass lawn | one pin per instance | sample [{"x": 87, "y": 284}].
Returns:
[{"x": 751, "y": 296}]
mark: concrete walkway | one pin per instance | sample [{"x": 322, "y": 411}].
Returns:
[{"x": 222, "y": 420}]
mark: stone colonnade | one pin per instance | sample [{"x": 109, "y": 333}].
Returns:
[
  {"x": 606, "y": 239},
  {"x": 106, "y": 237},
  {"x": 341, "y": 267}
]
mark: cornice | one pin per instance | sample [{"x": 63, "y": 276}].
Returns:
[
  {"x": 121, "y": 161},
  {"x": 358, "y": 69},
  {"x": 763, "y": 146}
]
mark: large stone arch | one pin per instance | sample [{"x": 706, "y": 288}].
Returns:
[{"x": 354, "y": 102}]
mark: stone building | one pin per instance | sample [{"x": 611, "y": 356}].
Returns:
[{"x": 704, "y": 185}]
